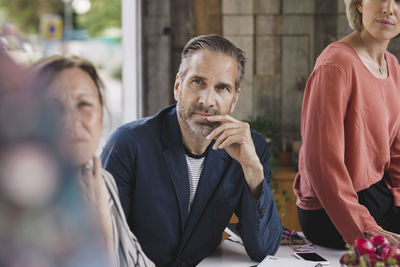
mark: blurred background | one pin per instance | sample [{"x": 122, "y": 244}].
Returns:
[
  {"x": 91, "y": 29},
  {"x": 136, "y": 45}
]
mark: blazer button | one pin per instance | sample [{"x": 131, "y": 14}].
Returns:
[{"x": 261, "y": 210}]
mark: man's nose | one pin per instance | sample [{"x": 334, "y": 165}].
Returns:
[{"x": 207, "y": 97}]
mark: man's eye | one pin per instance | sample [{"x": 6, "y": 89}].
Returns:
[
  {"x": 197, "y": 81},
  {"x": 84, "y": 104},
  {"x": 224, "y": 88}
]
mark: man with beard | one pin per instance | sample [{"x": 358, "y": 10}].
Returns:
[{"x": 183, "y": 172}]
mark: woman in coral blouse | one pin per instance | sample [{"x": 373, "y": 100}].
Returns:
[{"x": 348, "y": 185}]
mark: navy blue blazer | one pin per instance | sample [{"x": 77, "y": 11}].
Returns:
[{"x": 147, "y": 159}]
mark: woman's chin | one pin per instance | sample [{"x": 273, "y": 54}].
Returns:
[
  {"x": 79, "y": 159},
  {"x": 78, "y": 156}
]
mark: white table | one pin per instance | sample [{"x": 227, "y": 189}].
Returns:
[{"x": 234, "y": 255}]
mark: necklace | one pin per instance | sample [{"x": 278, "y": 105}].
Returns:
[{"x": 381, "y": 69}]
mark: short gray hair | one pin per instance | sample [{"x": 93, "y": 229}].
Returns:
[{"x": 213, "y": 43}]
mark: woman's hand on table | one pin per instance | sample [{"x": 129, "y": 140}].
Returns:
[{"x": 393, "y": 238}]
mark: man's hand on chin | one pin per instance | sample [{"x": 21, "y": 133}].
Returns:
[{"x": 234, "y": 136}]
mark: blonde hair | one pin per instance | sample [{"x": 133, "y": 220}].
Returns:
[{"x": 354, "y": 17}]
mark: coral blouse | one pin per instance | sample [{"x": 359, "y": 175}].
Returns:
[{"x": 350, "y": 128}]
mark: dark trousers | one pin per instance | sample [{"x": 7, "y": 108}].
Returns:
[{"x": 318, "y": 227}]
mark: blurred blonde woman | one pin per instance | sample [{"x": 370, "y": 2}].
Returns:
[
  {"x": 348, "y": 185},
  {"x": 74, "y": 85}
]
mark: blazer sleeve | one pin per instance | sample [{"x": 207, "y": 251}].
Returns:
[
  {"x": 322, "y": 128},
  {"x": 118, "y": 158},
  {"x": 394, "y": 169},
  {"x": 259, "y": 222}
]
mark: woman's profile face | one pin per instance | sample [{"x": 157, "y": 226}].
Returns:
[
  {"x": 76, "y": 93},
  {"x": 381, "y": 18}
]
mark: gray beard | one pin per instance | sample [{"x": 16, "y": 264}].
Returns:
[{"x": 198, "y": 129}]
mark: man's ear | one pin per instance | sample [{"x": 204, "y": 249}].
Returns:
[
  {"x": 176, "y": 86},
  {"x": 235, "y": 100}
]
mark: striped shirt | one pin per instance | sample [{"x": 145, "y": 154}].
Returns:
[
  {"x": 127, "y": 248},
  {"x": 195, "y": 166}
]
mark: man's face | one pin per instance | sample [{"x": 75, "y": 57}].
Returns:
[{"x": 207, "y": 89}]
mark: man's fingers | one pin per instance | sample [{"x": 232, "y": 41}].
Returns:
[
  {"x": 233, "y": 139},
  {"x": 221, "y": 118},
  {"x": 223, "y": 127},
  {"x": 225, "y": 134}
]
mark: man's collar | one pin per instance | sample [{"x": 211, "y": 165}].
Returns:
[
  {"x": 170, "y": 132},
  {"x": 197, "y": 156}
]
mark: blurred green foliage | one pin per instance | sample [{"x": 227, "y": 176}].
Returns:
[
  {"x": 282, "y": 197},
  {"x": 102, "y": 15},
  {"x": 270, "y": 130},
  {"x": 26, "y": 13}
]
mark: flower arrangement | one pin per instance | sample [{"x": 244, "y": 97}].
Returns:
[{"x": 376, "y": 252}]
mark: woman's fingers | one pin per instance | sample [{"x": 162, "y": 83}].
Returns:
[
  {"x": 96, "y": 168},
  {"x": 393, "y": 238}
]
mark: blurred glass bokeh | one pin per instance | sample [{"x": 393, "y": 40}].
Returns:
[
  {"x": 44, "y": 221},
  {"x": 30, "y": 30}
]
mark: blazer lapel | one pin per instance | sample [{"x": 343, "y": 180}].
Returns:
[
  {"x": 214, "y": 167},
  {"x": 174, "y": 156}
]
